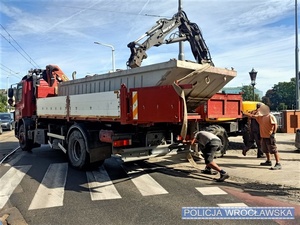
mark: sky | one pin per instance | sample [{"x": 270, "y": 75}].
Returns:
[{"x": 242, "y": 34}]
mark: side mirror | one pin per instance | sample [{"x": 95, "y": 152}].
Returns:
[
  {"x": 10, "y": 102},
  {"x": 10, "y": 92}
]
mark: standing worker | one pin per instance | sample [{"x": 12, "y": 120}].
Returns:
[
  {"x": 254, "y": 134},
  {"x": 209, "y": 143},
  {"x": 268, "y": 126}
]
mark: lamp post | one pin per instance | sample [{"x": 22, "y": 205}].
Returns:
[
  {"x": 181, "y": 46},
  {"x": 253, "y": 74},
  {"x": 297, "y": 58},
  {"x": 112, "y": 53}
]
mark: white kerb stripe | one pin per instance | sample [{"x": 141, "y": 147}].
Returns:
[
  {"x": 9, "y": 181},
  {"x": 100, "y": 185},
  {"x": 239, "y": 204},
  {"x": 145, "y": 183},
  {"x": 51, "y": 191},
  {"x": 211, "y": 191}
]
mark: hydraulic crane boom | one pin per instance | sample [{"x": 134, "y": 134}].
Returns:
[{"x": 157, "y": 34}]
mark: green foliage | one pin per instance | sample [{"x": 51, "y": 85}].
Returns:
[
  {"x": 247, "y": 91},
  {"x": 282, "y": 96},
  {"x": 3, "y": 103}
]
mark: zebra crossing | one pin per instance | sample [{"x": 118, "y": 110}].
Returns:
[
  {"x": 145, "y": 183},
  {"x": 100, "y": 185},
  {"x": 9, "y": 181},
  {"x": 50, "y": 191}
]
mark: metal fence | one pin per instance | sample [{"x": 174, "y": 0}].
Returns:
[{"x": 280, "y": 120}]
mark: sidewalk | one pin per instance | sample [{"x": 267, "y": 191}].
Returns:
[
  {"x": 247, "y": 169},
  {"x": 249, "y": 166}
]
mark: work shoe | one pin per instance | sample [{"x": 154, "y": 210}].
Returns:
[
  {"x": 223, "y": 177},
  {"x": 244, "y": 152},
  {"x": 276, "y": 167},
  {"x": 210, "y": 172},
  {"x": 266, "y": 163},
  {"x": 261, "y": 156}
]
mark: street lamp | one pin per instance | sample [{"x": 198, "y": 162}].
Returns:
[
  {"x": 297, "y": 58},
  {"x": 112, "y": 53},
  {"x": 181, "y": 46},
  {"x": 253, "y": 74}
]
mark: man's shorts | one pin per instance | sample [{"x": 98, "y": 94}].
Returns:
[
  {"x": 268, "y": 145},
  {"x": 210, "y": 150}
]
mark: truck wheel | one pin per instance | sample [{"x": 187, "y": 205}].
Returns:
[
  {"x": 25, "y": 143},
  {"x": 77, "y": 152},
  {"x": 222, "y": 134}
]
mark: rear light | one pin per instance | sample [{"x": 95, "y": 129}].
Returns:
[
  {"x": 179, "y": 138},
  {"x": 121, "y": 143}
]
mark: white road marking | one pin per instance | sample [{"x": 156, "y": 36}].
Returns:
[
  {"x": 9, "y": 181},
  {"x": 51, "y": 191},
  {"x": 145, "y": 183},
  {"x": 211, "y": 191},
  {"x": 15, "y": 160},
  {"x": 100, "y": 185},
  {"x": 239, "y": 204}
]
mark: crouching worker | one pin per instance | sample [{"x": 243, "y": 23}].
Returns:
[{"x": 209, "y": 143}]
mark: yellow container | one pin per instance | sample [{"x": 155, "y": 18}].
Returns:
[{"x": 249, "y": 106}]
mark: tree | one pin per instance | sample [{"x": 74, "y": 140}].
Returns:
[
  {"x": 266, "y": 99},
  {"x": 282, "y": 96},
  {"x": 247, "y": 91},
  {"x": 3, "y": 103}
]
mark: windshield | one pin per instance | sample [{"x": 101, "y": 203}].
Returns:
[{"x": 5, "y": 117}]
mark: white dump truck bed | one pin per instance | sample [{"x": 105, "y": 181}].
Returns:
[
  {"x": 206, "y": 79},
  {"x": 81, "y": 107},
  {"x": 97, "y": 96}
]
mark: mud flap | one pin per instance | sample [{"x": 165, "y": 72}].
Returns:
[{"x": 180, "y": 92}]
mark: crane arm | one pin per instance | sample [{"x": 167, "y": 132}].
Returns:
[
  {"x": 53, "y": 73},
  {"x": 157, "y": 34}
]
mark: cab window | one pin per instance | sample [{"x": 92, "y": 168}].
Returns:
[{"x": 19, "y": 92}]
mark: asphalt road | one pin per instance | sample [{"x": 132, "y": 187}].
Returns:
[{"x": 45, "y": 190}]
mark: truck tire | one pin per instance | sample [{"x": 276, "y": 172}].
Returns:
[
  {"x": 77, "y": 150},
  {"x": 222, "y": 134},
  {"x": 25, "y": 143}
]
